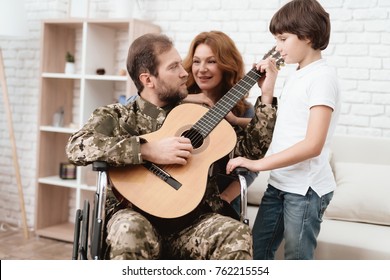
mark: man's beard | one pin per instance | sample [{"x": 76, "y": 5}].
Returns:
[{"x": 171, "y": 95}]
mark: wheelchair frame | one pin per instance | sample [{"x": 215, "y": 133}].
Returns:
[{"x": 80, "y": 242}]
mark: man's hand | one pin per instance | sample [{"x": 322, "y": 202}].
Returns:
[{"x": 171, "y": 150}]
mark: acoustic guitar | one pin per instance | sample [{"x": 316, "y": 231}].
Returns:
[{"x": 171, "y": 191}]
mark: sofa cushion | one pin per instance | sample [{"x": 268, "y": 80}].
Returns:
[
  {"x": 352, "y": 241},
  {"x": 362, "y": 193}
]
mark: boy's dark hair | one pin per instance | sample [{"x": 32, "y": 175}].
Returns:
[
  {"x": 305, "y": 18},
  {"x": 142, "y": 56}
]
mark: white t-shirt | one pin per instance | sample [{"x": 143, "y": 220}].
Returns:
[{"x": 315, "y": 84}]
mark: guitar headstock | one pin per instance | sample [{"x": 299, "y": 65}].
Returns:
[{"x": 276, "y": 55}]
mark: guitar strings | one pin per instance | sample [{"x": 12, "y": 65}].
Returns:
[
  {"x": 227, "y": 103},
  {"x": 203, "y": 127},
  {"x": 198, "y": 132},
  {"x": 216, "y": 114}
]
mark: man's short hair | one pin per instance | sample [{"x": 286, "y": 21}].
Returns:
[{"x": 143, "y": 56}]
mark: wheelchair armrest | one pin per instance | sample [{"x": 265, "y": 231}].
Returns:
[
  {"x": 240, "y": 171},
  {"x": 99, "y": 166}
]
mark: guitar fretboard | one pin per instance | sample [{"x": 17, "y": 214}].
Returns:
[{"x": 215, "y": 115}]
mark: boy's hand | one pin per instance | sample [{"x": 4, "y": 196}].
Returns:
[
  {"x": 268, "y": 80},
  {"x": 239, "y": 162}
]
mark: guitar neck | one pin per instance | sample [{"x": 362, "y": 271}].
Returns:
[{"x": 215, "y": 115}]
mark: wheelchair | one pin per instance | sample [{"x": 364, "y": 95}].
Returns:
[{"x": 96, "y": 252}]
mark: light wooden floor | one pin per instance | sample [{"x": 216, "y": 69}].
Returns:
[{"x": 14, "y": 246}]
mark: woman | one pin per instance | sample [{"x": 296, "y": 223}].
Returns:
[{"x": 215, "y": 65}]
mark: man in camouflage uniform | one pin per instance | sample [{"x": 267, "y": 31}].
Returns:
[{"x": 114, "y": 134}]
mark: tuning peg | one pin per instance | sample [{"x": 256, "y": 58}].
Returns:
[{"x": 279, "y": 63}]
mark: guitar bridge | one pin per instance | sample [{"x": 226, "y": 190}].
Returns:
[{"x": 163, "y": 175}]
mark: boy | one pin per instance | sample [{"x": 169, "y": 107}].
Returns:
[{"x": 301, "y": 182}]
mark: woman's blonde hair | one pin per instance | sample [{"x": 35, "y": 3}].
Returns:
[{"x": 228, "y": 59}]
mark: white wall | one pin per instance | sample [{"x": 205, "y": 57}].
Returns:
[{"x": 359, "y": 49}]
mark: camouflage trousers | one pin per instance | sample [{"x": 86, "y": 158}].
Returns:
[{"x": 213, "y": 236}]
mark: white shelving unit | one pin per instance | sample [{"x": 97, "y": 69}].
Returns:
[{"x": 95, "y": 44}]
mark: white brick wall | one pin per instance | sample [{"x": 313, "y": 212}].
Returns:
[{"x": 359, "y": 49}]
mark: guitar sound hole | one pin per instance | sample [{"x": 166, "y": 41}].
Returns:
[{"x": 195, "y": 137}]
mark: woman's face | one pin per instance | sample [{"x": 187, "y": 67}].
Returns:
[{"x": 205, "y": 69}]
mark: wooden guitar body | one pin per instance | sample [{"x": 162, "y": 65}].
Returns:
[
  {"x": 172, "y": 191},
  {"x": 146, "y": 187}
]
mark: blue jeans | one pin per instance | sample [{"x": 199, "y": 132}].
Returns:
[{"x": 294, "y": 217}]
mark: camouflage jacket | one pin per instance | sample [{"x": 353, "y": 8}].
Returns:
[{"x": 113, "y": 134}]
